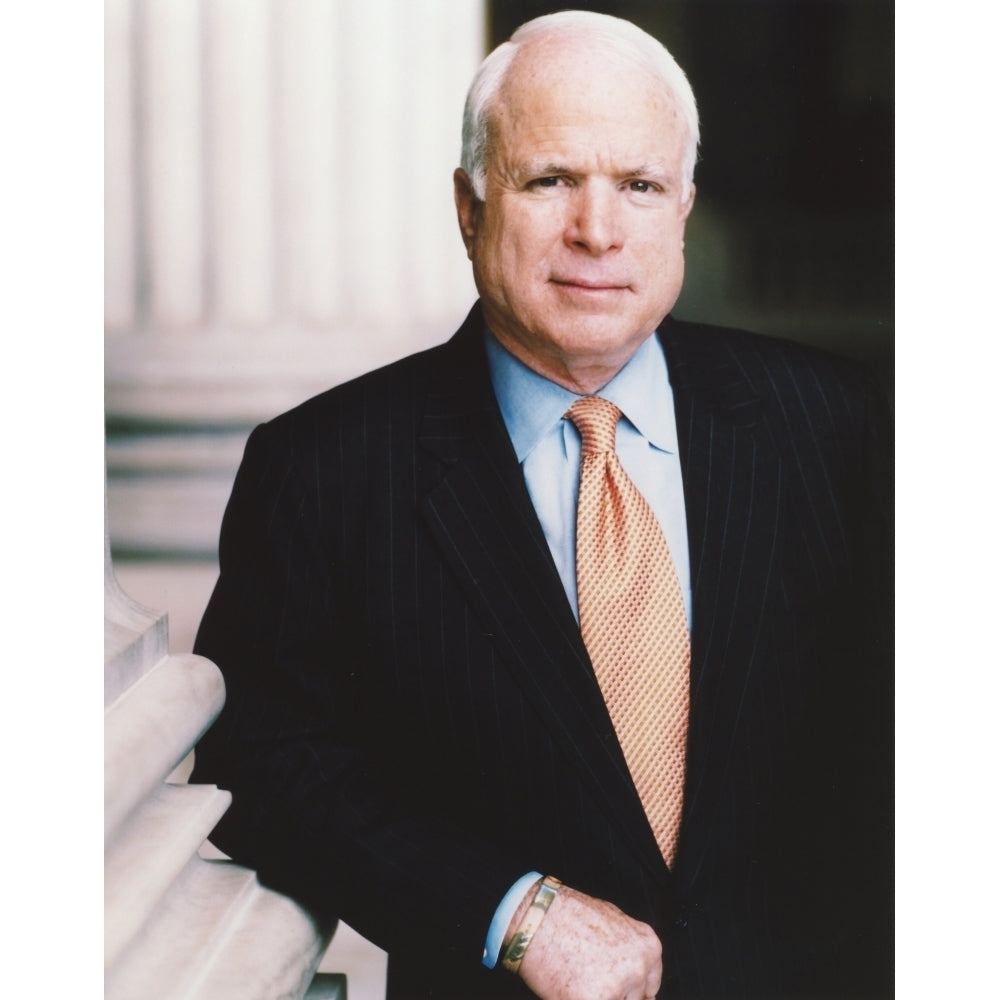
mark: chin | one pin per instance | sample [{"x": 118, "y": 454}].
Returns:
[{"x": 600, "y": 338}]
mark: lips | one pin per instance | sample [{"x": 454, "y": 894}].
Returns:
[{"x": 591, "y": 284}]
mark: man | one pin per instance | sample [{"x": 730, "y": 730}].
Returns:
[{"x": 419, "y": 723}]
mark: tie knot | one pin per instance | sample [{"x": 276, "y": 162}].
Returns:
[{"x": 597, "y": 421}]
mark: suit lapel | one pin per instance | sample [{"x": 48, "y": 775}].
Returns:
[
  {"x": 482, "y": 518},
  {"x": 479, "y": 512},
  {"x": 732, "y": 494}
]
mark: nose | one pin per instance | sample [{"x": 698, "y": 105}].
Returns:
[{"x": 595, "y": 223}]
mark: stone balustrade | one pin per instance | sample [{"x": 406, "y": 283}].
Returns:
[{"x": 180, "y": 923}]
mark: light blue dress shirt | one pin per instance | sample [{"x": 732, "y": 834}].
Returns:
[{"x": 548, "y": 447}]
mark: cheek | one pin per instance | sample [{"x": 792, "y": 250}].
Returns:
[
  {"x": 521, "y": 258},
  {"x": 531, "y": 234}
]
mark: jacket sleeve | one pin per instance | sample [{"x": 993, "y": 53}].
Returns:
[{"x": 311, "y": 811}]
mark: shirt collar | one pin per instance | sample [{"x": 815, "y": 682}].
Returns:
[
  {"x": 641, "y": 390},
  {"x": 532, "y": 405}
]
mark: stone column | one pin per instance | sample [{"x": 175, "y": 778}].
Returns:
[{"x": 279, "y": 218}]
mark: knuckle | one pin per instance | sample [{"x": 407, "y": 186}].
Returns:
[
  {"x": 650, "y": 940},
  {"x": 657, "y": 946}
]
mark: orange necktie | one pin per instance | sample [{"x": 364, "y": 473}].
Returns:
[{"x": 632, "y": 620}]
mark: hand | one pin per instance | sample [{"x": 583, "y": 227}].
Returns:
[{"x": 587, "y": 949}]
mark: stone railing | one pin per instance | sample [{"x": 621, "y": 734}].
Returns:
[{"x": 180, "y": 923}]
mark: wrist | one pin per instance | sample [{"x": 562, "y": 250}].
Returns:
[{"x": 526, "y": 920}]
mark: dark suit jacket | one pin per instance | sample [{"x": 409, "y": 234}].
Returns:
[{"x": 412, "y": 720}]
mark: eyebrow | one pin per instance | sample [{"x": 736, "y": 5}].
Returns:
[
  {"x": 543, "y": 168},
  {"x": 548, "y": 168},
  {"x": 651, "y": 171}
]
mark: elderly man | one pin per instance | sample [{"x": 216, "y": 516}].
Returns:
[{"x": 556, "y": 656}]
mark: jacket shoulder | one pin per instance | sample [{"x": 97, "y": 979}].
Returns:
[{"x": 779, "y": 373}]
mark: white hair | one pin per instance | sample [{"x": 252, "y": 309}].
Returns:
[{"x": 619, "y": 36}]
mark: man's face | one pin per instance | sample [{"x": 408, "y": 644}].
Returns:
[{"x": 577, "y": 249}]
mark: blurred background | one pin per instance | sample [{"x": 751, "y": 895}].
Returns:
[{"x": 278, "y": 215}]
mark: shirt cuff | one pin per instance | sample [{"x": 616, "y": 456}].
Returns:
[{"x": 503, "y": 916}]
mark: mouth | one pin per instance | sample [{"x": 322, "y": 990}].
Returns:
[{"x": 589, "y": 285}]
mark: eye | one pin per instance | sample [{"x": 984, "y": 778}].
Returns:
[
  {"x": 544, "y": 182},
  {"x": 640, "y": 187}
]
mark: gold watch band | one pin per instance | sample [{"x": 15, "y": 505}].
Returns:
[{"x": 514, "y": 952}]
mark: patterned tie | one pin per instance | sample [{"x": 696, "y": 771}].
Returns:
[{"x": 632, "y": 620}]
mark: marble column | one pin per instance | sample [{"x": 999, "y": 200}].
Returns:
[{"x": 279, "y": 218}]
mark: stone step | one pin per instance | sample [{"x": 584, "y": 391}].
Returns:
[
  {"x": 149, "y": 852},
  {"x": 215, "y": 920},
  {"x": 150, "y": 728},
  {"x": 170, "y": 513}
]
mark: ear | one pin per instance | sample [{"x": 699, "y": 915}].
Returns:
[
  {"x": 685, "y": 211},
  {"x": 467, "y": 205},
  {"x": 687, "y": 204}
]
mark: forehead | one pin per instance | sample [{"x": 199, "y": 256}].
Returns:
[{"x": 583, "y": 95}]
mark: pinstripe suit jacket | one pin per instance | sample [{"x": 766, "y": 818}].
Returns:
[{"x": 412, "y": 720}]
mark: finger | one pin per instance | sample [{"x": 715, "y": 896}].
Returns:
[
  {"x": 653, "y": 982},
  {"x": 639, "y": 992}
]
